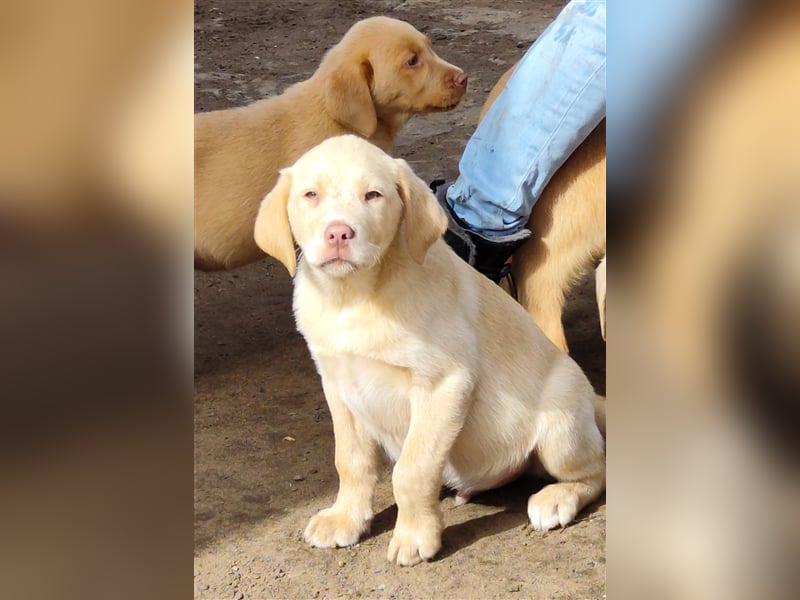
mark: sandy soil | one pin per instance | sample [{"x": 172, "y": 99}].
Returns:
[{"x": 263, "y": 435}]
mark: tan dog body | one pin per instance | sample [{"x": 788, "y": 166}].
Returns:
[
  {"x": 379, "y": 75},
  {"x": 569, "y": 234},
  {"x": 568, "y": 223},
  {"x": 420, "y": 355}
]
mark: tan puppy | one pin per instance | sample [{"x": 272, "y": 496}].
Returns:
[
  {"x": 420, "y": 356},
  {"x": 377, "y": 77},
  {"x": 569, "y": 232}
]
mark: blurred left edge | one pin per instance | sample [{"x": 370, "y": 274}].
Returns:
[{"x": 96, "y": 299}]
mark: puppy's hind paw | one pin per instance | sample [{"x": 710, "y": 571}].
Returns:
[
  {"x": 331, "y": 528},
  {"x": 555, "y": 505}
]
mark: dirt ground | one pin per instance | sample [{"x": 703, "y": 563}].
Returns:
[{"x": 263, "y": 435}]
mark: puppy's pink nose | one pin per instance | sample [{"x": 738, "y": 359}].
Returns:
[
  {"x": 461, "y": 80},
  {"x": 338, "y": 234}
]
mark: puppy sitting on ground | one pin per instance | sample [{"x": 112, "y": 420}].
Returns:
[
  {"x": 378, "y": 76},
  {"x": 420, "y": 356}
]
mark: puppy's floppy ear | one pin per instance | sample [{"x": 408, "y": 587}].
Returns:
[
  {"x": 272, "y": 232},
  {"x": 425, "y": 221},
  {"x": 348, "y": 98}
]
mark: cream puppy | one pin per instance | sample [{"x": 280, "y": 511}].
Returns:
[{"x": 419, "y": 355}]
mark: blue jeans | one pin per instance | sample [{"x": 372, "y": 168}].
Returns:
[{"x": 554, "y": 99}]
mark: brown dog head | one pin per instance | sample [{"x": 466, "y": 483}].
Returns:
[{"x": 385, "y": 69}]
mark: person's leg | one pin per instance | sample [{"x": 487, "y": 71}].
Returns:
[{"x": 553, "y": 100}]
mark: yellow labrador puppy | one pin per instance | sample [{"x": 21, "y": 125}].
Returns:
[
  {"x": 378, "y": 76},
  {"x": 420, "y": 356}
]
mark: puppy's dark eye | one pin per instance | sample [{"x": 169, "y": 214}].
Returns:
[
  {"x": 413, "y": 61},
  {"x": 311, "y": 195},
  {"x": 372, "y": 195}
]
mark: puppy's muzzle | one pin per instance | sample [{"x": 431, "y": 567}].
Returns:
[{"x": 337, "y": 237}]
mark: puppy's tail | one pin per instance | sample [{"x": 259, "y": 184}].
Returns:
[{"x": 600, "y": 413}]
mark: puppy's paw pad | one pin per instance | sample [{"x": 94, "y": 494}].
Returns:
[
  {"x": 331, "y": 528},
  {"x": 410, "y": 546},
  {"x": 554, "y": 506}
]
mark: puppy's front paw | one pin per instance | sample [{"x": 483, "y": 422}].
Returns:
[
  {"x": 555, "y": 505},
  {"x": 415, "y": 541},
  {"x": 333, "y": 527}
]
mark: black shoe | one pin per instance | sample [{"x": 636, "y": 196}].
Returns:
[
  {"x": 456, "y": 235},
  {"x": 489, "y": 256}
]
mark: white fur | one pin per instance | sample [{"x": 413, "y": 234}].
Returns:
[{"x": 422, "y": 356}]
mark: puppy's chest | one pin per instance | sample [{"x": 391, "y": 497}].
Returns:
[
  {"x": 376, "y": 393},
  {"x": 367, "y": 360},
  {"x": 358, "y": 332}
]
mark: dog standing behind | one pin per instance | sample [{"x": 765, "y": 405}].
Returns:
[
  {"x": 379, "y": 75},
  {"x": 420, "y": 356},
  {"x": 568, "y": 223}
]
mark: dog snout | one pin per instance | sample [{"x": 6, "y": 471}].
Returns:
[
  {"x": 339, "y": 234},
  {"x": 460, "y": 80}
]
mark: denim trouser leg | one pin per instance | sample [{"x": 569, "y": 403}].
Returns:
[{"x": 554, "y": 99}]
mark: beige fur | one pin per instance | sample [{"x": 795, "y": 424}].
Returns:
[
  {"x": 420, "y": 356},
  {"x": 364, "y": 85},
  {"x": 600, "y": 292},
  {"x": 569, "y": 232}
]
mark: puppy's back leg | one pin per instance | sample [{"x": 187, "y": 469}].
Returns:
[
  {"x": 543, "y": 274},
  {"x": 569, "y": 229},
  {"x": 570, "y": 448}
]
